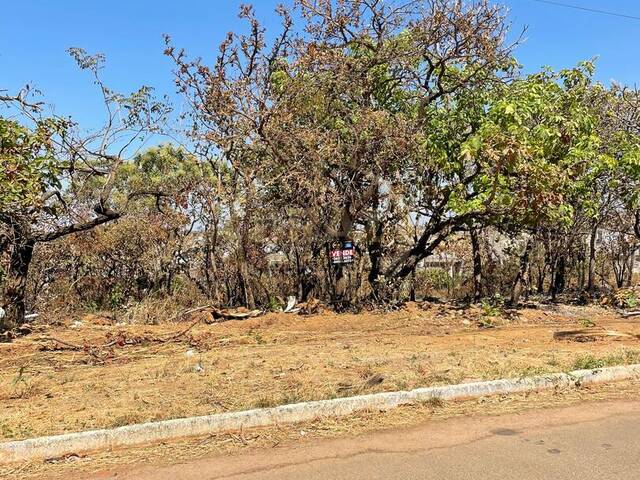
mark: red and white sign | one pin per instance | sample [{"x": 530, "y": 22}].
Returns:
[{"x": 342, "y": 256}]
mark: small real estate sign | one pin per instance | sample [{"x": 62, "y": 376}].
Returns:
[{"x": 344, "y": 255}]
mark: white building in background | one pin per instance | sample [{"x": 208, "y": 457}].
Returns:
[{"x": 449, "y": 262}]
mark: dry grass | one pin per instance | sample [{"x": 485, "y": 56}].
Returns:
[
  {"x": 101, "y": 464},
  {"x": 46, "y": 388}
]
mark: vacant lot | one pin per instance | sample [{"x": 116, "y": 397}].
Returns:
[{"x": 96, "y": 373}]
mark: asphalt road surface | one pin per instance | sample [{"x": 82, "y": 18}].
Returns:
[{"x": 589, "y": 441}]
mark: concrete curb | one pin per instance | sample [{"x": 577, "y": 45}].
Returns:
[{"x": 59, "y": 445}]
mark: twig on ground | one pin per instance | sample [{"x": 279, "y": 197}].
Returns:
[
  {"x": 192, "y": 310},
  {"x": 183, "y": 332},
  {"x": 87, "y": 348}
]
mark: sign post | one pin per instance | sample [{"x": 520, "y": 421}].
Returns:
[{"x": 344, "y": 255}]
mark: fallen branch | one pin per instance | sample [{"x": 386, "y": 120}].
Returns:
[
  {"x": 309, "y": 307},
  {"x": 191, "y": 310},
  {"x": 183, "y": 332},
  {"x": 230, "y": 315},
  {"x": 90, "y": 350},
  {"x": 220, "y": 313},
  {"x": 66, "y": 344}
]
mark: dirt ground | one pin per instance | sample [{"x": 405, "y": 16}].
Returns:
[{"x": 94, "y": 372}]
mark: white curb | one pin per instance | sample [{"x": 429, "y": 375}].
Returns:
[{"x": 59, "y": 445}]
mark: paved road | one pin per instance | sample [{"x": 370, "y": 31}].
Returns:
[{"x": 591, "y": 441}]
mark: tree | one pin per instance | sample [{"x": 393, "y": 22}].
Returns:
[
  {"x": 56, "y": 182},
  {"x": 354, "y": 125},
  {"x": 29, "y": 170},
  {"x": 400, "y": 124},
  {"x": 539, "y": 145},
  {"x": 231, "y": 105}
]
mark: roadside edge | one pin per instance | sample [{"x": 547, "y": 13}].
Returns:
[{"x": 144, "y": 433}]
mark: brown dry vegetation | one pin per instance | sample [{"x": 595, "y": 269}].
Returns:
[{"x": 48, "y": 388}]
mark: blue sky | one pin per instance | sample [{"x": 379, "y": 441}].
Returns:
[{"x": 34, "y": 35}]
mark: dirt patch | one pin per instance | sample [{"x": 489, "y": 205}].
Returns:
[{"x": 47, "y": 387}]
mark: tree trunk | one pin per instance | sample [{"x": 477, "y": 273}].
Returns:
[
  {"x": 299, "y": 275},
  {"x": 542, "y": 273},
  {"x": 412, "y": 289},
  {"x": 13, "y": 298},
  {"x": 374, "y": 249},
  {"x": 477, "y": 265},
  {"x": 516, "y": 289},
  {"x": 620, "y": 274},
  {"x": 581, "y": 272},
  {"x": 560, "y": 280},
  {"x": 339, "y": 288},
  {"x": 245, "y": 282},
  {"x": 210, "y": 264},
  {"x": 424, "y": 247},
  {"x": 375, "y": 232},
  {"x": 591, "y": 276},
  {"x": 632, "y": 261},
  {"x": 552, "y": 279}
]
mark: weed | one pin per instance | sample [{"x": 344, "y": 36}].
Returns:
[
  {"x": 6, "y": 431},
  {"x": 486, "y": 322},
  {"x": 438, "y": 378},
  {"x": 491, "y": 309},
  {"x": 23, "y": 387},
  {"x": 291, "y": 397},
  {"x": 401, "y": 385},
  {"x": 421, "y": 369},
  {"x": 629, "y": 299},
  {"x": 532, "y": 371},
  {"x": 20, "y": 377},
  {"x": 116, "y": 297},
  {"x": 264, "y": 402},
  {"x": 365, "y": 372},
  {"x": 126, "y": 419},
  {"x": 274, "y": 305},
  {"x": 433, "y": 402},
  {"x": 91, "y": 306},
  {"x": 586, "y": 322},
  {"x": 68, "y": 377},
  {"x": 589, "y": 362}
]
